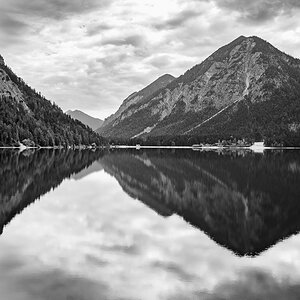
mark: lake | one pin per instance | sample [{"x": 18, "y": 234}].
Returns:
[{"x": 149, "y": 224}]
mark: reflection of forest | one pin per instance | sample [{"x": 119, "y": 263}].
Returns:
[
  {"x": 26, "y": 176},
  {"x": 244, "y": 202}
]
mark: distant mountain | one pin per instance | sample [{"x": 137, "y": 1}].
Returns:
[
  {"x": 26, "y": 116},
  {"x": 137, "y": 98},
  {"x": 86, "y": 119},
  {"x": 247, "y": 88}
]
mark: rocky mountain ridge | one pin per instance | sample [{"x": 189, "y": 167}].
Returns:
[
  {"x": 223, "y": 95},
  {"x": 136, "y": 98}
]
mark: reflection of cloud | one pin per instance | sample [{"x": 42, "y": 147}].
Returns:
[
  {"x": 256, "y": 284},
  {"x": 174, "y": 269},
  {"x": 93, "y": 168},
  {"x": 129, "y": 250},
  {"x": 21, "y": 280},
  {"x": 79, "y": 249},
  {"x": 250, "y": 285},
  {"x": 57, "y": 285},
  {"x": 94, "y": 260}
]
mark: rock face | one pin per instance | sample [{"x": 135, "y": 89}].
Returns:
[
  {"x": 86, "y": 119},
  {"x": 137, "y": 98},
  {"x": 8, "y": 88},
  {"x": 224, "y": 95}
]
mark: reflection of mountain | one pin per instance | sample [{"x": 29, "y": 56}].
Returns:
[
  {"x": 246, "y": 203},
  {"x": 24, "y": 178},
  {"x": 94, "y": 167}
]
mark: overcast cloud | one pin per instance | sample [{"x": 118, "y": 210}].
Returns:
[{"x": 91, "y": 54}]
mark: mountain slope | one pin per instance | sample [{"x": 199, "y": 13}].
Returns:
[
  {"x": 137, "y": 98},
  {"x": 86, "y": 119},
  {"x": 247, "y": 88},
  {"x": 27, "y": 116}
]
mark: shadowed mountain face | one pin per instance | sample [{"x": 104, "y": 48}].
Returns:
[
  {"x": 244, "y": 202},
  {"x": 26, "y": 176}
]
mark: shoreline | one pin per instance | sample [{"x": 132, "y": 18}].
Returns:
[
  {"x": 161, "y": 147},
  {"x": 205, "y": 147}
]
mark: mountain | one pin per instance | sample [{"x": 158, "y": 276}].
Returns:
[
  {"x": 26, "y": 116},
  {"x": 86, "y": 119},
  {"x": 137, "y": 98},
  {"x": 245, "y": 202},
  {"x": 246, "y": 89}
]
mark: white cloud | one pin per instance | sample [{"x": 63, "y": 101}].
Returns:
[{"x": 90, "y": 55}]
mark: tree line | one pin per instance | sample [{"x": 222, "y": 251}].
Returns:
[{"x": 44, "y": 124}]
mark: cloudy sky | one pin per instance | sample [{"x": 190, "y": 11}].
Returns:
[{"x": 91, "y": 54}]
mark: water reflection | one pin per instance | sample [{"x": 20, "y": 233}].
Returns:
[
  {"x": 26, "y": 176},
  {"x": 88, "y": 239},
  {"x": 244, "y": 201}
]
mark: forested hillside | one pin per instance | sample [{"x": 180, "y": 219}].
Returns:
[{"x": 26, "y": 116}]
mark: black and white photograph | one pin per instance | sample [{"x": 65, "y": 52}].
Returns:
[{"x": 149, "y": 149}]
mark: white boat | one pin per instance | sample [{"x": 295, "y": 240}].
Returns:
[{"x": 258, "y": 147}]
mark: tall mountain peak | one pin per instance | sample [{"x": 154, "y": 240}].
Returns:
[{"x": 222, "y": 96}]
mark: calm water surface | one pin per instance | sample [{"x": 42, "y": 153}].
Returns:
[{"x": 149, "y": 225}]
